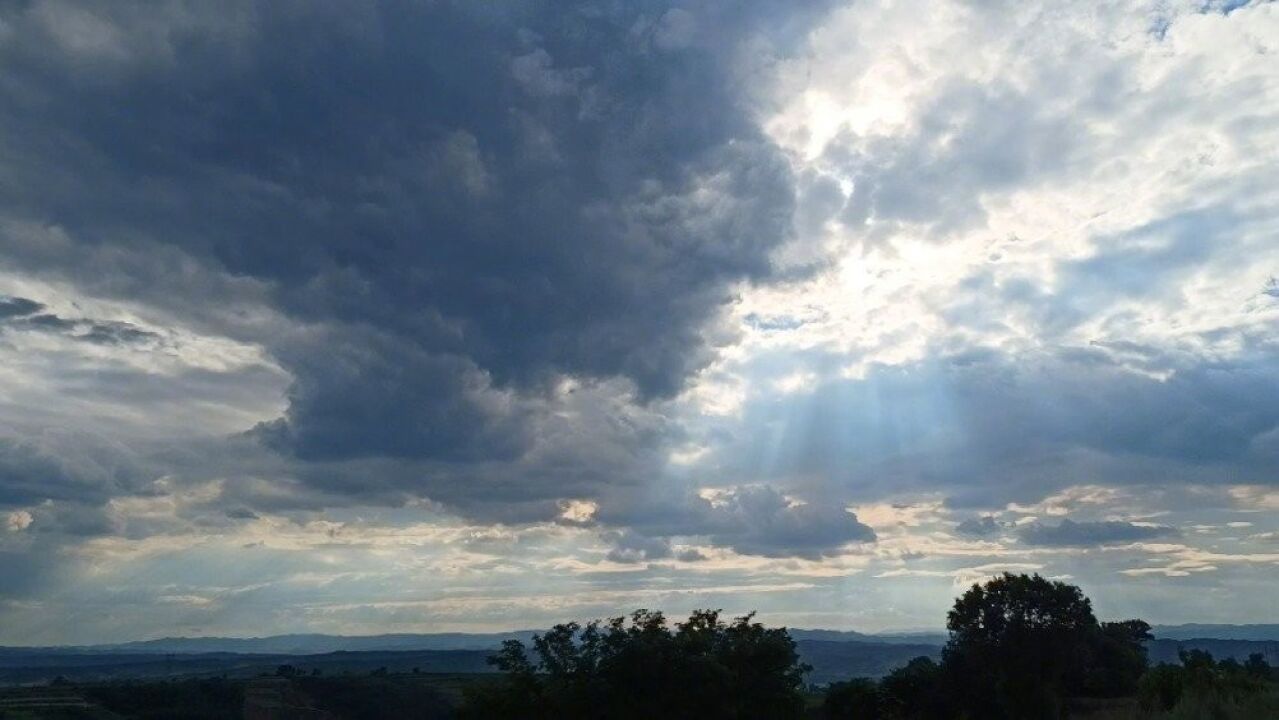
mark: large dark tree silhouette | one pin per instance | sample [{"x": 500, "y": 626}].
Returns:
[
  {"x": 703, "y": 668},
  {"x": 1020, "y": 645}
]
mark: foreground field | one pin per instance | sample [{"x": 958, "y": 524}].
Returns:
[
  {"x": 343, "y": 697},
  {"x": 411, "y": 697}
]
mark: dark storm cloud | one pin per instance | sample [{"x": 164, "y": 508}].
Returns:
[
  {"x": 1069, "y": 533},
  {"x": 380, "y": 396},
  {"x": 594, "y": 444},
  {"x": 459, "y": 202},
  {"x": 66, "y": 467}
]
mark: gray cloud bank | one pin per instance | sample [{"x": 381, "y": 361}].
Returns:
[
  {"x": 485, "y": 242},
  {"x": 1083, "y": 534}
]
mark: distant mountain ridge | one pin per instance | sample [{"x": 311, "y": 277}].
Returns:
[
  {"x": 304, "y": 644},
  {"x": 319, "y": 643},
  {"x": 889, "y": 638},
  {"x": 1195, "y": 631},
  {"x": 833, "y": 654}
]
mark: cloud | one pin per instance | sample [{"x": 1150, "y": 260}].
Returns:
[
  {"x": 485, "y": 250},
  {"x": 985, "y": 526},
  {"x": 973, "y": 137},
  {"x": 18, "y": 520},
  {"x": 629, "y": 547},
  {"x": 607, "y": 263},
  {"x": 1069, "y": 533},
  {"x": 349, "y": 400},
  {"x": 1272, "y": 288},
  {"x": 71, "y": 467},
  {"x": 499, "y": 291},
  {"x": 473, "y": 210},
  {"x": 690, "y": 555},
  {"x": 17, "y": 313},
  {"x": 757, "y": 520},
  {"x": 11, "y": 307},
  {"x": 987, "y": 429},
  {"x": 760, "y": 520}
]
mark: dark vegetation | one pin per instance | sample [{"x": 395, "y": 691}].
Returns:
[
  {"x": 210, "y": 699},
  {"x": 41, "y": 665},
  {"x": 286, "y": 695},
  {"x": 833, "y": 655},
  {"x": 376, "y": 696},
  {"x": 1019, "y": 648},
  {"x": 643, "y": 668},
  {"x": 1024, "y": 648}
]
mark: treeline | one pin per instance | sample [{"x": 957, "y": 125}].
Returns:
[
  {"x": 643, "y": 668},
  {"x": 1203, "y": 688},
  {"x": 1020, "y": 648},
  {"x": 1023, "y": 647}
]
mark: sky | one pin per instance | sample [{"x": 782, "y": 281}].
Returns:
[{"x": 362, "y": 317}]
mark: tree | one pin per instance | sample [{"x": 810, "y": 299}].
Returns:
[
  {"x": 1161, "y": 687},
  {"x": 1118, "y": 659},
  {"x": 1257, "y": 667},
  {"x": 915, "y": 691},
  {"x": 639, "y": 668},
  {"x": 1018, "y": 646},
  {"x": 1202, "y": 687},
  {"x": 856, "y": 699}
]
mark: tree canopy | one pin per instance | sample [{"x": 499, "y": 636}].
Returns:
[
  {"x": 1020, "y": 644},
  {"x": 642, "y": 668}
]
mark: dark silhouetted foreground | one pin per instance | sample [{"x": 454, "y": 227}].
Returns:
[
  {"x": 1020, "y": 647},
  {"x": 1026, "y": 648}
]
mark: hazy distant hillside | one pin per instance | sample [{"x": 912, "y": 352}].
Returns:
[
  {"x": 309, "y": 644},
  {"x": 834, "y": 660},
  {"x": 1163, "y": 650},
  {"x": 280, "y": 645},
  {"x": 833, "y": 655},
  {"x": 897, "y": 638},
  {"x": 1218, "y": 632},
  {"x": 316, "y": 643},
  {"x": 831, "y": 660}
]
